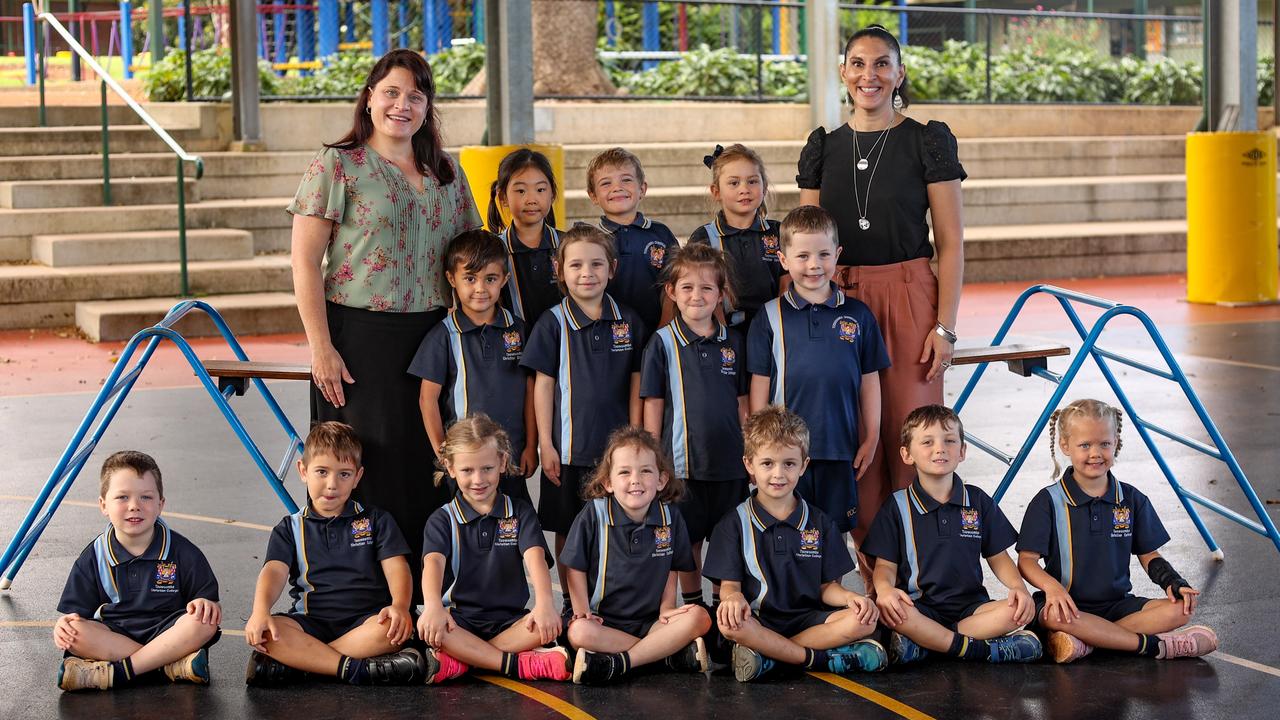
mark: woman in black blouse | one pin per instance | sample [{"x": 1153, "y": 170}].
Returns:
[{"x": 878, "y": 176}]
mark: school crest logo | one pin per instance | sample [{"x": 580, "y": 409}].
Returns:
[
  {"x": 1121, "y": 523},
  {"x": 662, "y": 541},
  {"x": 166, "y": 577},
  {"x": 727, "y": 360},
  {"x": 846, "y": 328},
  {"x": 657, "y": 253},
  {"x": 508, "y": 531},
  {"x": 771, "y": 247},
  {"x": 810, "y": 543},
  {"x": 621, "y": 335},
  {"x": 969, "y": 522},
  {"x": 511, "y": 343},
  {"x": 361, "y": 532}
]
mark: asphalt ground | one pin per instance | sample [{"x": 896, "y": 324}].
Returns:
[{"x": 217, "y": 498}]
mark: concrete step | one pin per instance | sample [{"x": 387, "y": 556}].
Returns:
[
  {"x": 118, "y": 248},
  {"x": 28, "y": 284},
  {"x": 246, "y": 314},
  {"x": 64, "y": 115},
  {"x": 23, "y": 194},
  {"x": 1047, "y": 251},
  {"x": 88, "y": 140}
]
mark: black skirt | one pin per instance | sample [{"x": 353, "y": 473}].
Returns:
[{"x": 382, "y": 406}]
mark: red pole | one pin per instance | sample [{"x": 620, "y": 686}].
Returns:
[{"x": 683, "y": 20}]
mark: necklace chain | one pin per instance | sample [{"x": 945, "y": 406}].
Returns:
[{"x": 862, "y": 214}]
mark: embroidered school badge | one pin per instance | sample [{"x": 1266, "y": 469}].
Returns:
[
  {"x": 810, "y": 543},
  {"x": 1120, "y": 520},
  {"x": 508, "y": 531},
  {"x": 166, "y": 577},
  {"x": 657, "y": 253},
  {"x": 969, "y": 523},
  {"x": 511, "y": 342},
  {"x": 621, "y": 335},
  {"x": 727, "y": 359},
  {"x": 662, "y": 541},
  {"x": 771, "y": 247},
  {"x": 361, "y": 531},
  {"x": 846, "y": 328}
]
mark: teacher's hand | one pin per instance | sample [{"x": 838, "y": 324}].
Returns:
[
  {"x": 938, "y": 351},
  {"x": 329, "y": 372}
]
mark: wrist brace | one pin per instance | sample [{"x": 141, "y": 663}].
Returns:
[{"x": 1163, "y": 574}]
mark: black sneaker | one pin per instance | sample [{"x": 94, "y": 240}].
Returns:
[
  {"x": 692, "y": 658},
  {"x": 594, "y": 668},
  {"x": 264, "y": 672},
  {"x": 406, "y": 667}
]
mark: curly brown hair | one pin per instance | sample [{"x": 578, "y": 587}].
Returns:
[{"x": 635, "y": 437}]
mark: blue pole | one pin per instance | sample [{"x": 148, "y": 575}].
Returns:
[
  {"x": 477, "y": 20},
  {"x": 902, "y": 23},
  {"x": 651, "y": 37},
  {"x": 402, "y": 20},
  {"x": 444, "y": 25},
  {"x": 430, "y": 27},
  {"x": 262, "y": 36},
  {"x": 277, "y": 34},
  {"x": 777, "y": 29},
  {"x": 305, "y": 36},
  {"x": 349, "y": 21},
  {"x": 610, "y": 24},
  {"x": 378, "y": 19},
  {"x": 126, "y": 37},
  {"x": 182, "y": 34},
  {"x": 29, "y": 41},
  {"x": 328, "y": 27}
]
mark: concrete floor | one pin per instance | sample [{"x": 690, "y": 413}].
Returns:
[{"x": 1233, "y": 361}]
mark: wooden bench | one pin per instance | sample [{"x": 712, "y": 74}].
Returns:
[
  {"x": 1022, "y": 359},
  {"x": 238, "y": 373}
]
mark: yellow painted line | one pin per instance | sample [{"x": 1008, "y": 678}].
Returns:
[
  {"x": 866, "y": 693},
  {"x": 181, "y": 516},
  {"x": 1245, "y": 663},
  {"x": 573, "y": 712}
]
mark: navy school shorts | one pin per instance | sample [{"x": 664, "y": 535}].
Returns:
[
  {"x": 142, "y": 636},
  {"x": 559, "y": 505},
  {"x": 705, "y": 503},
  {"x": 949, "y": 616},
  {"x": 832, "y": 485},
  {"x": 485, "y": 628},
  {"x": 1109, "y": 610},
  {"x": 327, "y": 630}
]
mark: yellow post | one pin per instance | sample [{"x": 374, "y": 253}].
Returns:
[
  {"x": 480, "y": 163},
  {"x": 1231, "y": 217}
]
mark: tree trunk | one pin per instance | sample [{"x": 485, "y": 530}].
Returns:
[{"x": 564, "y": 51}]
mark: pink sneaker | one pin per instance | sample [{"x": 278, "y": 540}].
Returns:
[
  {"x": 442, "y": 666},
  {"x": 1066, "y": 648},
  {"x": 1191, "y": 641},
  {"x": 544, "y": 664}
]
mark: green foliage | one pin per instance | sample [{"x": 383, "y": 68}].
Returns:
[
  {"x": 721, "y": 72},
  {"x": 454, "y": 67},
  {"x": 1266, "y": 80},
  {"x": 956, "y": 72},
  {"x": 210, "y": 76},
  {"x": 343, "y": 73},
  {"x": 1161, "y": 81}
]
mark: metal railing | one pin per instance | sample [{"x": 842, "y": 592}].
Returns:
[{"x": 109, "y": 82}]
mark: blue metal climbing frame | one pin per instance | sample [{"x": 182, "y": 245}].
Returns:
[
  {"x": 1089, "y": 349},
  {"x": 112, "y": 396}
]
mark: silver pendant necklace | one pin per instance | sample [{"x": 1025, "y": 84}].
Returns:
[{"x": 862, "y": 164}]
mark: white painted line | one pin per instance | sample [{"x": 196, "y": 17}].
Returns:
[{"x": 1245, "y": 663}]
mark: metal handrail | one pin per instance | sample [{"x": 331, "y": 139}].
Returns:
[{"x": 110, "y": 82}]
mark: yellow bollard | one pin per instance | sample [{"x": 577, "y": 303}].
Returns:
[
  {"x": 1231, "y": 217},
  {"x": 480, "y": 163}
]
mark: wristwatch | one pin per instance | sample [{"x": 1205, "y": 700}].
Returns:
[{"x": 948, "y": 335}]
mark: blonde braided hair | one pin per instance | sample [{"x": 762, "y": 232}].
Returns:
[
  {"x": 1061, "y": 419},
  {"x": 471, "y": 434}
]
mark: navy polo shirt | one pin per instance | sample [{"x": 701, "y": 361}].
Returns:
[
  {"x": 478, "y": 369},
  {"x": 627, "y": 563},
  {"x": 335, "y": 564},
  {"x": 814, "y": 356},
  {"x": 136, "y": 593},
  {"x": 531, "y": 288},
  {"x": 1086, "y": 541},
  {"x": 781, "y": 563},
  {"x": 642, "y": 254},
  {"x": 752, "y": 253},
  {"x": 699, "y": 380},
  {"x": 484, "y": 575},
  {"x": 937, "y": 546},
  {"x": 592, "y": 362}
]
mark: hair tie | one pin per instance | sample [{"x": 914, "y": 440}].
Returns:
[{"x": 710, "y": 160}]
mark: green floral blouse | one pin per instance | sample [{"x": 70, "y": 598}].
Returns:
[{"x": 387, "y": 248}]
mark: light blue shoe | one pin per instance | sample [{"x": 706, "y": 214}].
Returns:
[
  {"x": 863, "y": 655},
  {"x": 903, "y": 650},
  {"x": 749, "y": 665},
  {"x": 1019, "y": 646}
]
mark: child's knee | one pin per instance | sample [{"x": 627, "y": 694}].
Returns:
[
  {"x": 851, "y": 628},
  {"x": 698, "y": 619},
  {"x": 190, "y": 624},
  {"x": 581, "y": 632},
  {"x": 736, "y": 634}
]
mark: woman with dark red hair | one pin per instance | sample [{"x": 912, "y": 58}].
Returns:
[{"x": 370, "y": 222}]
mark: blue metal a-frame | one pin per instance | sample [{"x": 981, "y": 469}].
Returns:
[
  {"x": 1090, "y": 350},
  {"x": 112, "y": 396}
]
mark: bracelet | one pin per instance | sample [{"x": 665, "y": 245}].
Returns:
[{"x": 948, "y": 335}]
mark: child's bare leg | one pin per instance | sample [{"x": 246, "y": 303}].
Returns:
[
  {"x": 840, "y": 628},
  {"x": 691, "y": 582},
  {"x": 365, "y": 641},
  {"x": 1094, "y": 630},
  {"x": 925, "y": 632},
  {"x": 994, "y": 619},
  {"x": 488, "y": 655},
  {"x": 598, "y": 638},
  {"x": 664, "y": 639},
  {"x": 95, "y": 641},
  {"x": 185, "y": 637},
  {"x": 561, "y": 571},
  {"x": 1157, "y": 616},
  {"x": 295, "y": 648},
  {"x": 752, "y": 634}
]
